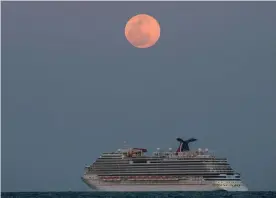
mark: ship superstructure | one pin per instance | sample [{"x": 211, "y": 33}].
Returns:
[{"x": 129, "y": 169}]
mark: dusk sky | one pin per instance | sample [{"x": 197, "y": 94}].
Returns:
[{"x": 74, "y": 87}]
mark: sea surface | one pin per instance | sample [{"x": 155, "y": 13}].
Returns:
[{"x": 138, "y": 195}]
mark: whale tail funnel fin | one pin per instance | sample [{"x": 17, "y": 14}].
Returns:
[{"x": 184, "y": 144}]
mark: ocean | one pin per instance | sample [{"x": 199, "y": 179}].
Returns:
[{"x": 139, "y": 195}]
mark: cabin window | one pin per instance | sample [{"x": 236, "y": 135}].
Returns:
[{"x": 139, "y": 161}]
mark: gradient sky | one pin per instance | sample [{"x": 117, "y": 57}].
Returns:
[{"x": 73, "y": 87}]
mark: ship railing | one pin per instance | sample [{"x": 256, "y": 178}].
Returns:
[
  {"x": 111, "y": 178},
  {"x": 150, "y": 178},
  {"x": 188, "y": 154}
]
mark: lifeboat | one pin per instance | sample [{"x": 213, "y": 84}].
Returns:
[
  {"x": 157, "y": 177},
  {"x": 130, "y": 177}
]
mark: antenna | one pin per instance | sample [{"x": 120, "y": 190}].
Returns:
[{"x": 126, "y": 146}]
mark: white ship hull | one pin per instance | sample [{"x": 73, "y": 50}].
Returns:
[{"x": 113, "y": 187}]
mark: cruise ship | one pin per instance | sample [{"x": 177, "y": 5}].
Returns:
[{"x": 131, "y": 170}]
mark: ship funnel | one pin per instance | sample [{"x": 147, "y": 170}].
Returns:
[{"x": 184, "y": 144}]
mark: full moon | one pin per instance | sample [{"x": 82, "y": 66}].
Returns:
[{"x": 142, "y": 31}]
